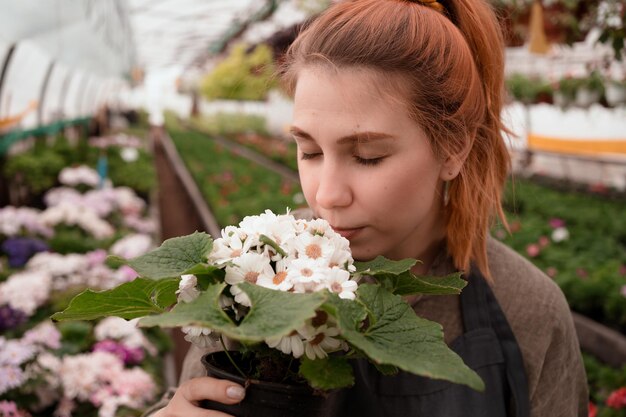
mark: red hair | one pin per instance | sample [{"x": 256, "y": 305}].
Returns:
[{"x": 450, "y": 75}]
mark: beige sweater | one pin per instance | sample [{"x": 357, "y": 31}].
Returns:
[{"x": 541, "y": 321}]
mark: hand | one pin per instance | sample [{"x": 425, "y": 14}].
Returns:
[{"x": 185, "y": 402}]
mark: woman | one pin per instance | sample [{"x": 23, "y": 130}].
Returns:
[{"x": 397, "y": 122}]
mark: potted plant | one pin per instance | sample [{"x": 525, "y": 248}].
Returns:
[
  {"x": 567, "y": 91},
  {"x": 591, "y": 90},
  {"x": 291, "y": 296},
  {"x": 615, "y": 92}
]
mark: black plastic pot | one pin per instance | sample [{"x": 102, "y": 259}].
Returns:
[{"x": 264, "y": 399}]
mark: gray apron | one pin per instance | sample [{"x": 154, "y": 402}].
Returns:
[{"x": 487, "y": 345}]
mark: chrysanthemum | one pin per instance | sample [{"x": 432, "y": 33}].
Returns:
[
  {"x": 290, "y": 344},
  {"x": 314, "y": 247}
]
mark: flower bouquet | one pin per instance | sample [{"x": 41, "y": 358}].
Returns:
[{"x": 290, "y": 294}]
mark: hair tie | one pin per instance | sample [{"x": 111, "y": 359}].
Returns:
[{"x": 433, "y": 4}]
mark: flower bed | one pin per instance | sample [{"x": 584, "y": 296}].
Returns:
[
  {"x": 249, "y": 131},
  {"x": 607, "y": 387},
  {"x": 47, "y": 256},
  {"x": 579, "y": 240},
  {"x": 233, "y": 186}
]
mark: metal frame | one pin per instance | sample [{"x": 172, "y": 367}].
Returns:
[
  {"x": 5, "y": 66},
  {"x": 42, "y": 93}
]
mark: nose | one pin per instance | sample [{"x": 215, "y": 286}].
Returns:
[{"x": 333, "y": 188}]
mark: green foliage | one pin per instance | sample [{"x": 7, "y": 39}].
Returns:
[
  {"x": 130, "y": 300},
  {"x": 589, "y": 266},
  {"x": 241, "y": 76},
  {"x": 232, "y": 186},
  {"x": 175, "y": 257},
  {"x": 249, "y": 131},
  {"x": 397, "y": 278},
  {"x": 37, "y": 170},
  {"x": 227, "y": 124},
  {"x": 603, "y": 380},
  {"x": 529, "y": 89},
  {"x": 392, "y": 337},
  {"x": 328, "y": 373}
]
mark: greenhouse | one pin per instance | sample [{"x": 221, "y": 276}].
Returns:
[{"x": 222, "y": 188}]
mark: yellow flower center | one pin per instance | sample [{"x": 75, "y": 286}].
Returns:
[
  {"x": 279, "y": 277},
  {"x": 251, "y": 276},
  {"x": 313, "y": 251}
]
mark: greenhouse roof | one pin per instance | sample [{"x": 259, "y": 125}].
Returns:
[{"x": 110, "y": 37}]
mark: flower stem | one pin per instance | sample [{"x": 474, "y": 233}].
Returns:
[
  {"x": 230, "y": 358},
  {"x": 274, "y": 245}
]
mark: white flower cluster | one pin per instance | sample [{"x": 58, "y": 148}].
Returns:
[
  {"x": 81, "y": 174},
  {"x": 305, "y": 256},
  {"x": 124, "y": 331},
  {"x": 72, "y": 215},
  {"x": 132, "y": 245},
  {"x": 26, "y": 290},
  {"x": 99, "y": 378},
  {"x": 16, "y": 220}
]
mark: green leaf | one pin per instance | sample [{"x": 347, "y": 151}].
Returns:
[
  {"x": 329, "y": 373},
  {"x": 398, "y": 337},
  {"x": 407, "y": 284},
  {"x": 264, "y": 319},
  {"x": 137, "y": 298},
  {"x": 203, "y": 311},
  {"x": 175, "y": 257},
  {"x": 382, "y": 265}
]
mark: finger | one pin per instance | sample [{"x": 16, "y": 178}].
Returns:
[{"x": 207, "y": 388}]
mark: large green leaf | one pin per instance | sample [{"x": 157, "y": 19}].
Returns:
[
  {"x": 407, "y": 284},
  {"x": 133, "y": 299},
  {"x": 397, "y": 336},
  {"x": 273, "y": 313},
  {"x": 382, "y": 265},
  {"x": 329, "y": 373},
  {"x": 176, "y": 256}
]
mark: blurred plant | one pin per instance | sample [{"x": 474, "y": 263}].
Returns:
[
  {"x": 241, "y": 75},
  {"x": 529, "y": 90}
]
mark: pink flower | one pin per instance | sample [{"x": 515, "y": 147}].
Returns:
[
  {"x": 617, "y": 399},
  {"x": 533, "y": 250},
  {"x": 544, "y": 241},
  {"x": 593, "y": 410},
  {"x": 555, "y": 223},
  {"x": 551, "y": 271},
  {"x": 623, "y": 291},
  {"x": 582, "y": 273},
  {"x": 622, "y": 270}
]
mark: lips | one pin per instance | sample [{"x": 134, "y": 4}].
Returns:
[{"x": 348, "y": 233}]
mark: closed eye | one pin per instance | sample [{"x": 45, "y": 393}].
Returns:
[{"x": 370, "y": 161}]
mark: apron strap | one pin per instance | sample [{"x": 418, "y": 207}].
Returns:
[{"x": 481, "y": 309}]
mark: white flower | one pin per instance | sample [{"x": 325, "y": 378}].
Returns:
[
  {"x": 232, "y": 244},
  {"x": 132, "y": 246},
  {"x": 321, "y": 340},
  {"x": 14, "y": 352},
  {"x": 26, "y": 290},
  {"x": 10, "y": 377},
  {"x": 125, "y": 331},
  {"x": 290, "y": 344},
  {"x": 129, "y": 154},
  {"x": 248, "y": 267},
  {"x": 340, "y": 283},
  {"x": 187, "y": 290},
  {"x": 279, "y": 281},
  {"x": 199, "y": 336},
  {"x": 307, "y": 275},
  {"x": 560, "y": 234},
  {"x": 314, "y": 247},
  {"x": 79, "y": 175}
]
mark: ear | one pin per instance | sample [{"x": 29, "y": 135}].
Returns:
[{"x": 452, "y": 165}]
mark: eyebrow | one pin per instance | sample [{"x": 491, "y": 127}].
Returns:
[{"x": 361, "y": 137}]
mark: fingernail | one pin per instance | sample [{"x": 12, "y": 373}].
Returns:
[{"x": 235, "y": 392}]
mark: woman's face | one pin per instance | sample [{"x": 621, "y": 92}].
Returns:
[{"x": 365, "y": 166}]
